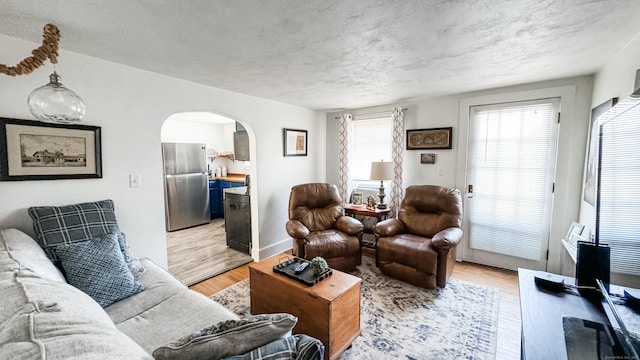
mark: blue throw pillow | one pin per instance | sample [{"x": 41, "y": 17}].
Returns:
[{"x": 98, "y": 268}]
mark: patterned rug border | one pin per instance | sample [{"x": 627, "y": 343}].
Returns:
[{"x": 399, "y": 320}]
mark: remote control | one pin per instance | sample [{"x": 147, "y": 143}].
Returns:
[{"x": 300, "y": 268}]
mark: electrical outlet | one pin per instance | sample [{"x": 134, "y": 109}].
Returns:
[{"x": 134, "y": 180}]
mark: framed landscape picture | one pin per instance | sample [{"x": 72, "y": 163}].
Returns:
[
  {"x": 295, "y": 142},
  {"x": 437, "y": 138},
  {"x": 34, "y": 150}
]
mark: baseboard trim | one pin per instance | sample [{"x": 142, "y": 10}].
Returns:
[{"x": 277, "y": 248}]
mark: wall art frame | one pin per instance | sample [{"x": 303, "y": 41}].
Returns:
[
  {"x": 423, "y": 139},
  {"x": 428, "y": 158},
  {"x": 592, "y": 154},
  {"x": 356, "y": 198},
  {"x": 35, "y": 150},
  {"x": 295, "y": 142},
  {"x": 574, "y": 229}
]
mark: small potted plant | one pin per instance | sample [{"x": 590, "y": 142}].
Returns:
[{"x": 318, "y": 265}]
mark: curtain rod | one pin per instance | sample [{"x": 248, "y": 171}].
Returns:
[{"x": 373, "y": 113}]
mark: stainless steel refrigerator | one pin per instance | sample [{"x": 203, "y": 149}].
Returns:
[{"x": 186, "y": 185}]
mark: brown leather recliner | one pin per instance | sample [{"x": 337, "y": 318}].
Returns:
[
  {"x": 319, "y": 227},
  {"x": 419, "y": 246}
]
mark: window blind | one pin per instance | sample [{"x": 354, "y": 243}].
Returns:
[
  {"x": 619, "y": 197},
  {"x": 372, "y": 142},
  {"x": 512, "y": 160}
]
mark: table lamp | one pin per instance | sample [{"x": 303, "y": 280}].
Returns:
[{"x": 381, "y": 170}]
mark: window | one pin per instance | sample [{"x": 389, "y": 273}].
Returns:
[
  {"x": 372, "y": 142},
  {"x": 619, "y": 197}
]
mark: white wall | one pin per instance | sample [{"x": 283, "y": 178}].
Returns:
[
  {"x": 217, "y": 137},
  {"x": 444, "y": 112},
  {"x": 131, "y": 105},
  {"x": 615, "y": 79},
  {"x": 178, "y": 130}
]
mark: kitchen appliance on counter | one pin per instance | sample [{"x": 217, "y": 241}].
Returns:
[
  {"x": 186, "y": 185},
  {"x": 237, "y": 218}
]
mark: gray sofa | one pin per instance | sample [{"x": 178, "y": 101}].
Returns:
[{"x": 44, "y": 317}]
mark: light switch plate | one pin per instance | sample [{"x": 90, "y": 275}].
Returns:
[{"x": 134, "y": 180}]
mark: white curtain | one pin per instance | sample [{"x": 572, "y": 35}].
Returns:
[
  {"x": 396, "y": 191},
  {"x": 344, "y": 158}
]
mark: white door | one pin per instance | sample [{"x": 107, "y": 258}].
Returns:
[{"x": 510, "y": 178}]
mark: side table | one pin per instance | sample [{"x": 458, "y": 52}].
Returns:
[{"x": 361, "y": 210}]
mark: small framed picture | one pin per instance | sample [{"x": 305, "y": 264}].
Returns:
[
  {"x": 574, "y": 229},
  {"x": 371, "y": 202},
  {"x": 356, "y": 198},
  {"x": 295, "y": 142},
  {"x": 427, "y": 158}
]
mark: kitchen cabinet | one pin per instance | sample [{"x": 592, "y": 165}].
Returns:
[
  {"x": 241, "y": 145},
  {"x": 215, "y": 200},
  {"x": 216, "y": 188}
]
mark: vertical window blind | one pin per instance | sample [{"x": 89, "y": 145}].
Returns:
[
  {"x": 512, "y": 161},
  {"x": 372, "y": 142},
  {"x": 620, "y": 196}
]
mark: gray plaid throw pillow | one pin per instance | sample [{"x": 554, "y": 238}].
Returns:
[
  {"x": 229, "y": 337},
  {"x": 60, "y": 225},
  {"x": 57, "y": 225}
]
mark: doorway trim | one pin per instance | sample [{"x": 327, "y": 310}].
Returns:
[
  {"x": 563, "y": 212},
  {"x": 253, "y": 173}
]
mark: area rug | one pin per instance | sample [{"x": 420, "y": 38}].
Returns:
[{"x": 401, "y": 321}]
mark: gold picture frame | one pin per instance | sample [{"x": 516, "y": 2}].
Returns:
[{"x": 436, "y": 138}]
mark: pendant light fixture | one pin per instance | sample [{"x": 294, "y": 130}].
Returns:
[
  {"x": 52, "y": 102},
  {"x": 55, "y": 103}
]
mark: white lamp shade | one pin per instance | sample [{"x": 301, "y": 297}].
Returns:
[{"x": 381, "y": 170}]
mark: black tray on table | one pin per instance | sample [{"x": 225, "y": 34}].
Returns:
[{"x": 307, "y": 276}]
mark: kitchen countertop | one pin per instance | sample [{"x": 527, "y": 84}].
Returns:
[
  {"x": 241, "y": 190},
  {"x": 230, "y": 177}
]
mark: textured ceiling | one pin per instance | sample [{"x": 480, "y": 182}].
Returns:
[{"x": 331, "y": 54}]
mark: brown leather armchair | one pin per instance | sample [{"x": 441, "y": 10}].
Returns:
[
  {"x": 319, "y": 227},
  {"x": 419, "y": 246}
]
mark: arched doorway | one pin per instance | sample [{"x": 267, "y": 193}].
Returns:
[{"x": 206, "y": 247}]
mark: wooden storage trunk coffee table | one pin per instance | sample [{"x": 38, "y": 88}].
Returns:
[{"x": 328, "y": 310}]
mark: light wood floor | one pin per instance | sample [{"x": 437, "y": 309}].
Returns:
[
  {"x": 508, "y": 342},
  {"x": 200, "y": 252}
]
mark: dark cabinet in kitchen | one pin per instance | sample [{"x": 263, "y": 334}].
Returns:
[
  {"x": 215, "y": 199},
  {"x": 237, "y": 219}
]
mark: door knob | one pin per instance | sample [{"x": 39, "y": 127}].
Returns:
[{"x": 469, "y": 191}]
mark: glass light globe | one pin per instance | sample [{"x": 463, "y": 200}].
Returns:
[{"x": 55, "y": 103}]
